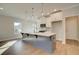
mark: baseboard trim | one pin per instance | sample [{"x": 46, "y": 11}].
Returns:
[
  {"x": 59, "y": 41},
  {"x": 73, "y": 39}
]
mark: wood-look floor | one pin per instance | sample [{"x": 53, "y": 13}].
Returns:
[
  {"x": 25, "y": 48},
  {"x": 70, "y": 48}
]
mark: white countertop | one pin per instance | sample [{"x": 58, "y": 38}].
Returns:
[{"x": 47, "y": 33}]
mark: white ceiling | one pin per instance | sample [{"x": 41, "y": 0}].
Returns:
[{"x": 24, "y": 10}]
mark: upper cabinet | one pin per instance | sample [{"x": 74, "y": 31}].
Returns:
[{"x": 54, "y": 17}]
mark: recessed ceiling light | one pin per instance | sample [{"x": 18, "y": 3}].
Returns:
[
  {"x": 55, "y": 9},
  {"x": 1, "y": 8}
]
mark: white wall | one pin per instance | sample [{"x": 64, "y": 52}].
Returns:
[
  {"x": 6, "y": 27},
  {"x": 27, "y": 26},
  {"x": 72, "y": 11},
  {"x": 30, "y": 26}
]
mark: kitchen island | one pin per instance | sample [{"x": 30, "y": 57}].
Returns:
[{"x": 44, "y": 40}]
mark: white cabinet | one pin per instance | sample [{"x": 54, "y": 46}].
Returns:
[
  {"x": 54, "y": 17},
  {"x": 48, "y": 23}
]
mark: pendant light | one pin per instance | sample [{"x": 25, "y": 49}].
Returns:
[
  {"x": 32, "y": 13},
  {"x": 42, "y": 11}
]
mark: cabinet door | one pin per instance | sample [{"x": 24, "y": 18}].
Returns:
[
  {"x": 56, "y": 16},
  {"x": 48, "y": 22}
]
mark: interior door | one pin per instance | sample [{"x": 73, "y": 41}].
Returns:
[{"x": 71, "y": 27}]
